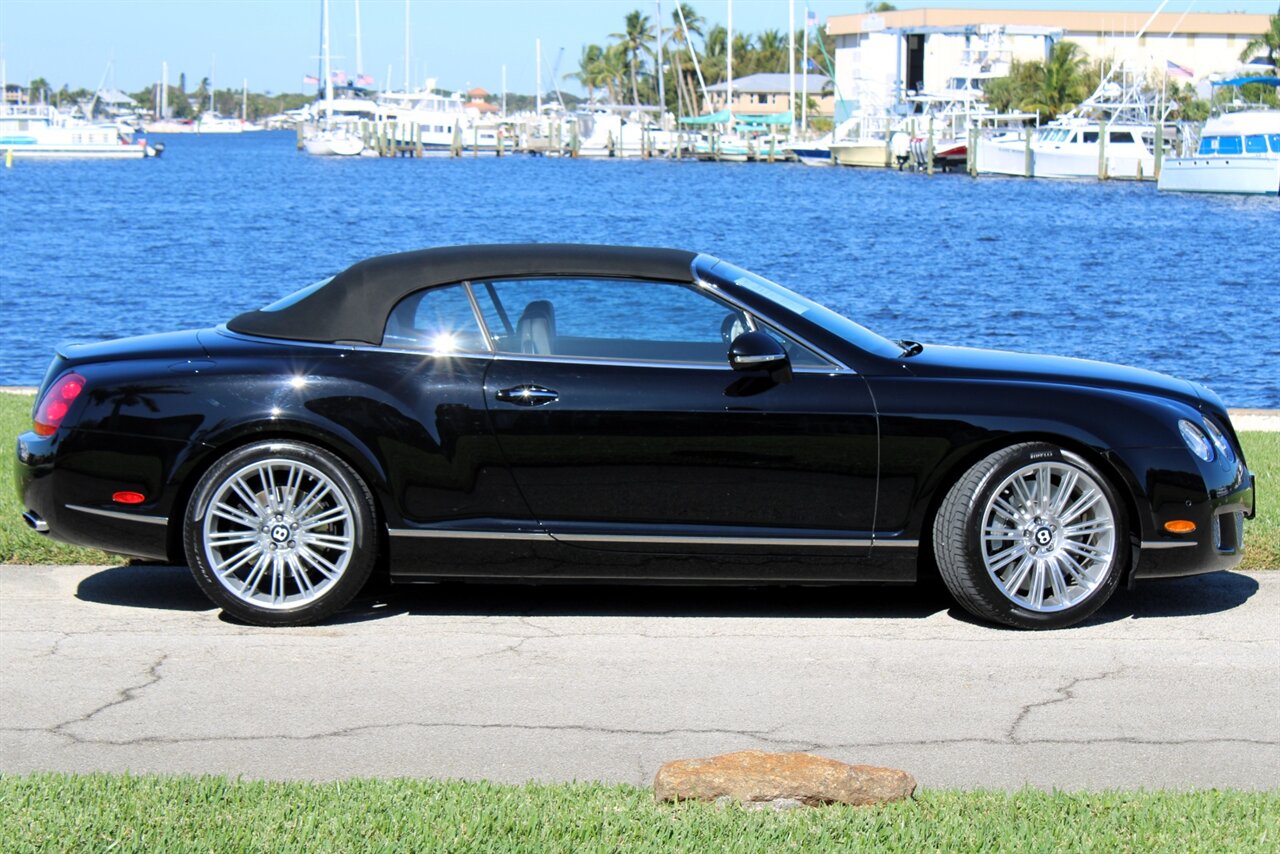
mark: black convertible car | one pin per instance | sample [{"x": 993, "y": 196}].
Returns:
[{"x": 555, "y": 412}]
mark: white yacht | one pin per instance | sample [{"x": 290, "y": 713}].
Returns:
[
  {"x": 1239, "y": 152},
  {"x": 38, "y": 130},
  {"x": 1073, "y": 145},
  {"x": 210, "y": 122}
]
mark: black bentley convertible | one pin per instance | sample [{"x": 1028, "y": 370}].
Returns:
[{"x": 554, "y": 412}]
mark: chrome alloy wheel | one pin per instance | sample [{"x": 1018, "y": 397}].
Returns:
[
  {"x": 1048, "y": 536},
  {"x": 278, "y": 533}
]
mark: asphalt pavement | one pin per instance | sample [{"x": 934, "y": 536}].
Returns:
[{"x": 1173, "y": 685}]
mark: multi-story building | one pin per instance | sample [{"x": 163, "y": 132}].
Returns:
[
  {"x": 881, "y": 57},
  {"x": 766, "y": 94}
]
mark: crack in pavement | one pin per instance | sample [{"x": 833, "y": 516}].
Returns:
[
  {"x": 124, "y": 695},
  {"x": 1064, "y": 694}
]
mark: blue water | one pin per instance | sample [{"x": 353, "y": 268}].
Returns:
[{"x": 1188, "y": 285}]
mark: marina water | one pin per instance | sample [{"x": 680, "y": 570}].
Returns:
[{"x": 1188, "y": 285}]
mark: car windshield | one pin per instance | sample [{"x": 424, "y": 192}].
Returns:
[{"x": 815, "y": 313}]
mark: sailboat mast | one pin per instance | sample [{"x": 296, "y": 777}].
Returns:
[
  {"x": 729, "y": 69},
  {"x": 791, "y": 62},
  {"x": 406, "y": 46},
  {"x": 328, "y": 80},
  {"x": 213, "y": 74},
  {"x": 359, "y": 51},
  {"x": 537, "y": 49},
  {"x": 804, "y": 83},
  {"x": 662, "y": 89},
  {"x": 244, "y": 101}
]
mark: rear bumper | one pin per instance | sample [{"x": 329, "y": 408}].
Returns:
[{"x": 71, "y": 501}]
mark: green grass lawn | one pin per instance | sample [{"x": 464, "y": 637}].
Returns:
[
  {"x": 102, "y": 813},
  {"x": 18, "y": 544}
]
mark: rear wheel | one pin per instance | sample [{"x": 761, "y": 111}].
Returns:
[
  {"x": 1033, "y": 536},
  {"x": 280, "y": 533}
]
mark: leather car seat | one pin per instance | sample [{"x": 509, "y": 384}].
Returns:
[{"x": 536, "y": 328}]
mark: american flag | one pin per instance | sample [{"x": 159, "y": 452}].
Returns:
[
  {"x": 310, "y": 80},
  {"x": 810, "y": 17},
  {"x": 364, "y": 79},
  {"x": 339, "y": 77},
  {"x": 1176, "y": 70}
]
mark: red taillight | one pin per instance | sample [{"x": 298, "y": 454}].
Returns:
[
  {"x": 128, "y": 497},
  {"x": 55, "y": 403}
]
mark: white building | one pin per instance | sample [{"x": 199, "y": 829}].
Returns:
[{"x": 881, "y": 57}]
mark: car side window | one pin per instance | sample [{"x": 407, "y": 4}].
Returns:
[
  {"x": 621, "y": 319},
  {"x": 437, "y": 319}
]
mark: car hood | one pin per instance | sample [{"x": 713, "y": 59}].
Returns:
[{"x": 943, "y": 361}]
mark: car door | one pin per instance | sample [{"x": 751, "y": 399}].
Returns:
[{"x": 626, "y": 429}]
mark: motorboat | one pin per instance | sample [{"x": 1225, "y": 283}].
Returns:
[
  {"x": 39, "y": 130},
  {"x": 810, "y": 152},
  {"x": 1238, "y": 152},
  {"x": 210, "y": 122},
  {"x": 1112, "y": 134}
]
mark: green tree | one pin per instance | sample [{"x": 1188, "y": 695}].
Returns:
[
  {"x": 678, "y": 46},
  {"x": 590, "y": 70},
  {"x": 635, "y": 38},
  {"x": 770, "y": 52},
  {"x": 37, "y": 90},
  {"x": 1266, "y": 45},
  {"x": 1060, "y": 83}
]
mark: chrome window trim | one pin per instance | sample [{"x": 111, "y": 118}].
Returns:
[
  {"x": 514, "y": 357},
  {"x": 1166, "y": 544},
  {"x": 116, "y": 514},
  {"x": 643, "y": 363},
  {"x": 479, "y": 315}
]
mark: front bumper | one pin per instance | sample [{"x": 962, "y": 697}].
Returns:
[{"x": 1218, "y": 541}]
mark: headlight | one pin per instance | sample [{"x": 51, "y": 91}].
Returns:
[
  {"x": 1219, "y": 441},
  {"x": 1196, "y": 440}
]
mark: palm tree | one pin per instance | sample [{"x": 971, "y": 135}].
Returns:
[
  {"x": 715, "y": 47},
  {"x": 589, "y": 70},
  {"x": 635, "y": 38},
  {"x": 613, "y": 70},
  {"x": 771, "y": 52},
  {"x": 1061, "y": 83},
  {"x": 693, "y": 21},
  {"x": 1266, "y": 45}
]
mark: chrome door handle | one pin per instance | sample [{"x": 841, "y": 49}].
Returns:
[{"x": 528, "y": 395}]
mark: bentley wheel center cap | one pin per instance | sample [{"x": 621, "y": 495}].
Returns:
[
  {"x": 1043, "y": 537},
  {"x": 280, "y": 534}
]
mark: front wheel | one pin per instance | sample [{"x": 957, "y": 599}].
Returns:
[
  {"x": 280, "y": 533},
  {"x": 1033, "y": 536}
]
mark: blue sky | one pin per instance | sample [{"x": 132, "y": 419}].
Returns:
[{"x": 462, "y": 43}]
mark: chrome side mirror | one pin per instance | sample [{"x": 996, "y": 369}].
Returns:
[{"x": 757, "y": 351}]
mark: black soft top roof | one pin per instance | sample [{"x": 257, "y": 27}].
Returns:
[{"x": 354, "y": 305}]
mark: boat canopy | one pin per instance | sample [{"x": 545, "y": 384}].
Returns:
[
  {"x": 1242, "y": 81},
  {"x": 713, "y": 119},
  {"x": 724, "y": 116}
]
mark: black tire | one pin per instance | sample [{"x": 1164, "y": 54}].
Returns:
[
  {"x": 964, "y": 556},
  {"x": 319, "y": 555}
]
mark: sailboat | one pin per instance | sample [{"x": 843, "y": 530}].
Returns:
[{"x": 330, "y": 140}]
